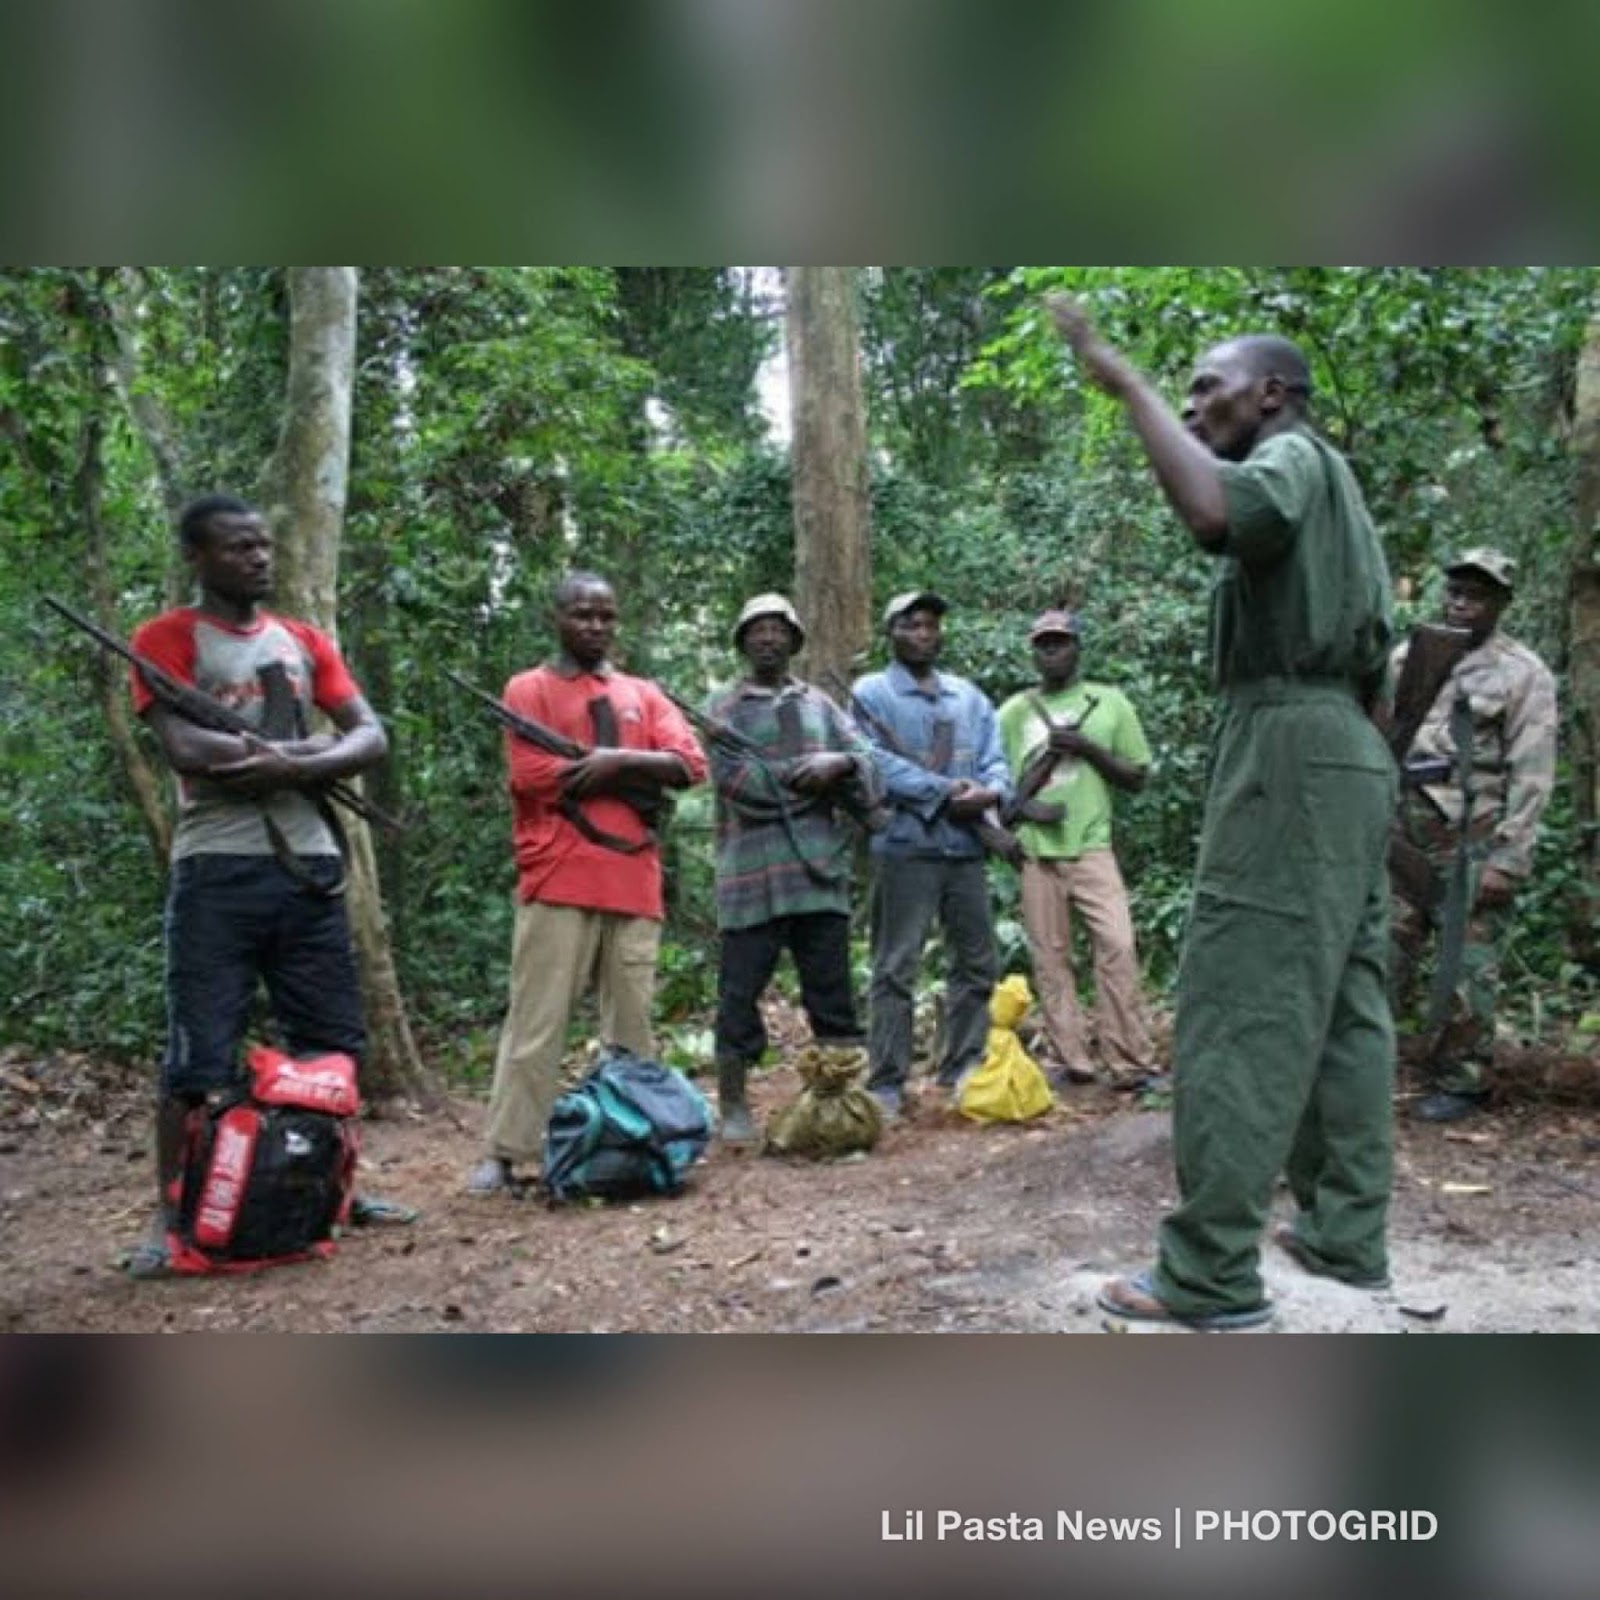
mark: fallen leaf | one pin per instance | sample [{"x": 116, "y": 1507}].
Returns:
[{"x": 1466, "y": 1188}]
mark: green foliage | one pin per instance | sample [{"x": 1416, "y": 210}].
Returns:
[{"x": 511, "y": 423}]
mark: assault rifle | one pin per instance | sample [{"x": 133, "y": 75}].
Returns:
[
  {"x": 782, "y": 810},
  {"x": 992, "y": 833},
  {"x": 1040, "y": 768},
  {"x": 194, "y": 705},
  {"x": 1433, "y": 655},
  {"x": 648, "y": 800}
]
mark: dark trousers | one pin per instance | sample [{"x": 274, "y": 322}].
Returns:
[
  {"x": 819, "y": 941},
  {"x": 233, "y": 922},
  {"x": 907, "y": 896}
]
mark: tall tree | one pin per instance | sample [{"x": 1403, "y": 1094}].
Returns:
[
  {"x": 306, "y": 484},
  {"x": 1584, "y": 660},
  {"x": 144, "y": 781},
  {"x": 832, "y": 511}
]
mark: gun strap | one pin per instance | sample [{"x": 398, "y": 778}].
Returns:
[
  {"x": 283, "y": 718},
  {"x": 943, "y": 749},
  {"x": 1463, "y": 881},
  {"x": 603, "y": 720},
  {"x": 780, "y": 809},
  {"x": 281, "y": 714}
]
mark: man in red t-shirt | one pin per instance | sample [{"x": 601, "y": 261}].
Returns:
[
  {"x": 588, "y": 867},
  {"x": 254, "y": 890}
]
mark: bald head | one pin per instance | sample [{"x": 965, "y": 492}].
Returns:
[
  {"x": 1244, "y": 391},
  {"x": 1267, "y": 355}
]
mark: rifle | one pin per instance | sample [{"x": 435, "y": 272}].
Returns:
[
  {"x": 1432, "y": 657},
  {"x": 1040, "y": 768},
  {"x": 196, "y": 706},
  {"x": 646, "y": 799},
  {"x": 741, "y": 744},
  {"x": 992, "y": 833},
  {"x": 1433, "y": 654}
]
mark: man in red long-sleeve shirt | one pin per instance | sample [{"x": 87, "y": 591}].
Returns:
[{"x": 588, "y": 867}]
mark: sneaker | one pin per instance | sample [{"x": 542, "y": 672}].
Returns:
[{"x": 492, "y": 1175}]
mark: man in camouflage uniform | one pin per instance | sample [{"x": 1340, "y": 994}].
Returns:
[{"x": 1510, "y": 698}]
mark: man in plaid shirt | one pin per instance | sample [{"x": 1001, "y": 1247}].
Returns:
[{"x": 783, "y": 851}]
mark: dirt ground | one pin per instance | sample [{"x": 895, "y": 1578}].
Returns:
[{"x": 946, "y": 1227}]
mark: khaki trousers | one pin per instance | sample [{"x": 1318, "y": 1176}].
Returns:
[
  {"x": 555, "y": 951},
  {"x": 1093, "y": 885}
]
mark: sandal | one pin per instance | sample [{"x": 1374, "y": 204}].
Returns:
[
  {"x": 368, "y": 1211},
  {"x": 1135, "y": 1300},
  {"x": 1299, "y": 1252},
  {"x": 147, "y": 1260}
]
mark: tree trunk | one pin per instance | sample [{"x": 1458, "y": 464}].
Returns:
[
  {"x": 110, "y": 681},
  {"x": 1583, "y": 667},
  {"x": 832, "y": 511},
  {"x": 305, "y": 487}
]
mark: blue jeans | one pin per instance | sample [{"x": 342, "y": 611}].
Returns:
[{"x": 233, "y": 922}]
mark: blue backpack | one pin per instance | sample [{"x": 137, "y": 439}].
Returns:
[{"x": 632, "y": 1127}]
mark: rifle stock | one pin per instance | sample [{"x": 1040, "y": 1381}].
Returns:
[{"x": 1432, "y": 655}]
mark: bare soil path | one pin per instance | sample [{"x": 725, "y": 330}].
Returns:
[{"x": 946, "y": 1227}]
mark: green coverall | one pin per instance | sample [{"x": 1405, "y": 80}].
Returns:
[{"x": 1284, "y": 1042}]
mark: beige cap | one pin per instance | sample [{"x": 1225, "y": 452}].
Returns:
[
  {"x": 914, "y": 600},
  {"x": 1497, "y": 568},
  {"x": 769, "y": 605}
]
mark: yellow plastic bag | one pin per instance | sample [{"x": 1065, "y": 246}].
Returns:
[{"x": 1008, "y": 1085}]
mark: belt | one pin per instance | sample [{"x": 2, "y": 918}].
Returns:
[{"x": 1289, "y": 691}]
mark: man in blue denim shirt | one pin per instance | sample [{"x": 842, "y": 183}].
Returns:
[{"x": 938, "y": 750}]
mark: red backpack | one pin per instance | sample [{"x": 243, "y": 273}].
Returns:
[{"x": 268, "y": 1173}]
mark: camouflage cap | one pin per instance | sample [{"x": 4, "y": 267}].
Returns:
[
  {"x": 914, "y": 600},
  {"x": 1497, "y": 568},
  {"x": 769, "y": 605}
]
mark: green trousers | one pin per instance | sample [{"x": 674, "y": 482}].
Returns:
[{"x": 1284, "y": 1043}]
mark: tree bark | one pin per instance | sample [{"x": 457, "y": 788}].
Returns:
[
  {"x": 1583, "y": 666},
  {"x": 144, "y": 780},
  {"x": 832, "y": 507},
  {"x": 305, "y": 487}
]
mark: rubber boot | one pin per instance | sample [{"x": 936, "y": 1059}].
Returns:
[{"x": 736, "y": 1128}]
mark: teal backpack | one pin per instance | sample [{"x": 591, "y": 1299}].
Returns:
[{"x": 631, "y": 1128}]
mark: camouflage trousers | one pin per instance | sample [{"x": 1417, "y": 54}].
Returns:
[{"x": 1461, "y": 1055}]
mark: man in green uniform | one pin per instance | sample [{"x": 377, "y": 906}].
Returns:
[{"x": 1284, "y": 1045}]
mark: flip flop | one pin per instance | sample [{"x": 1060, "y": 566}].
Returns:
[
  {"x": 146, "y": 1261},
  {"x": 1299, "y": 1252},
  {"x": 368, "y": 1211},
  {"x": 1134, "y": 1299}
]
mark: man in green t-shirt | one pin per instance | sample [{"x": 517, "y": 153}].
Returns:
[
  {"x": 1082, "y": 741},
  {"x": 1283, "y": 1045}
]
